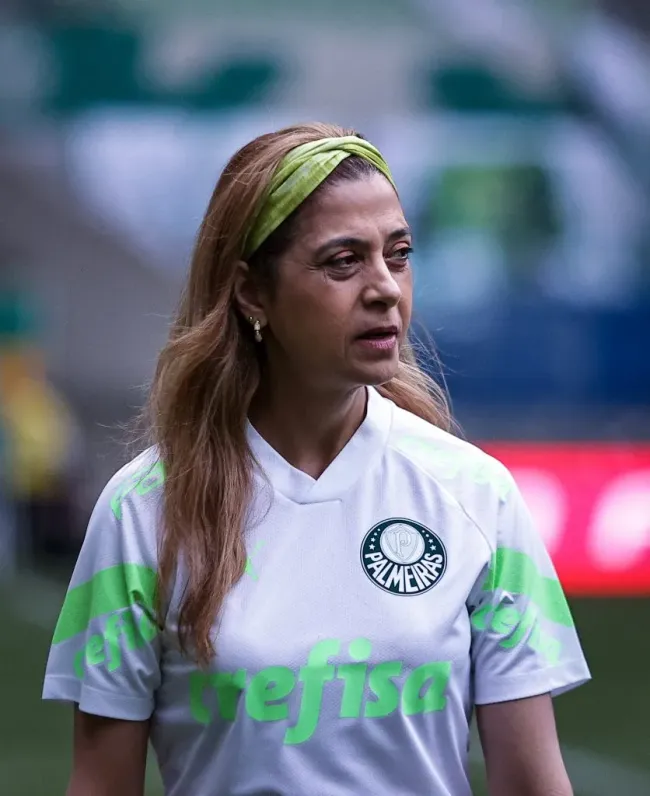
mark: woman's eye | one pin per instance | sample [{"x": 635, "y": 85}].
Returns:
[
  {"x": 344, "y": 262},
  {"x": 402, "y": 255}
]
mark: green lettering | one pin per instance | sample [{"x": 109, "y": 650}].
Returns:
[
  {"x": 95, "y": 652},
  {"x": 229, "y": 687},
  {"x": 517, "y": 573},
  {"x": 313, "y": 677},
  {"x": 383, "y": 687},
  {"x": 269, "y": 685},
  {"x": 433, "y": 699},
  {"x": 133, "y": 640},
  {"x": 109, "y": 590},
  {"x": 148, "y": 628},
  {"x": 118, "y": 497},
  {"x": 79, "y": 663},
  {"x": 479, "y": 617},
  {"x": 143, "y": 482},
  {"x": 552, "y": 650},
  {"x": 354, "y": 677},
  {"x": 522, "y": 629},
  {"x": 505, "y": 619},
  {"x": 535, "y": 639},
  {"x": 199, "y": 681},
  {"x": 152, "y": 479},
  {"x": 112, "y": 634}
]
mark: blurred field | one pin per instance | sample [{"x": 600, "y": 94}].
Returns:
[{"x": 607, "y": 717}]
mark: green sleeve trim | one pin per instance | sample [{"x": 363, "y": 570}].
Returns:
[
  {"x": 110, "y": 590},
  {"x": 515, "y": 572}
]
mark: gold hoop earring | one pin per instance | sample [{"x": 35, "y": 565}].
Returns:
[{"x": 257, "y": 327}]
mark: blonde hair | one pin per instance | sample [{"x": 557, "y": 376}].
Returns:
[{"x": 204, "y": 382}]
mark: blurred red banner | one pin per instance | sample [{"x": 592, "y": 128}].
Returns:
[{"x": 591, "y": 503}]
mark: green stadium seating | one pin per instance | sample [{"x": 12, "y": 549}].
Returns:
[{"x": 102, "y": 66}]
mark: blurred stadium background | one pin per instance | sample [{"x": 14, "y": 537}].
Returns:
[{"x": 519, "y": 132}]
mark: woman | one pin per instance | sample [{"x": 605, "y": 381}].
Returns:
[{"x": 307, "y": 583}]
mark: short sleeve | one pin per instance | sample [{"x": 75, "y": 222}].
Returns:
[
  {"x": 524, "y": 642},
  {"x": 106, "y": 647}
]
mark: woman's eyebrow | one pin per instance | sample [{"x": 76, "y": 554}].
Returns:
[
  {"x": 340, "y": 243},
  {"x": 351, "y": 242},
  {"x": 402, "y": 232}
]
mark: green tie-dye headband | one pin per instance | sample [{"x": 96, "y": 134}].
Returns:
[{"x": 298, "y": 176}]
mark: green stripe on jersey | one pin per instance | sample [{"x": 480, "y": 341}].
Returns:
[
  {"x": 111, "y": 589},
  {"x": 517, "y": 573}
]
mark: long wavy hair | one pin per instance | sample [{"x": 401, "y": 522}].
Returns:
[{"x": 206, "y": 377}]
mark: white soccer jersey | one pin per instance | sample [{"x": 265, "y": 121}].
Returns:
[{"x": 380, "y": 602}]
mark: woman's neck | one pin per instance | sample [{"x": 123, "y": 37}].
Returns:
[{"x": 307, "y": 428}]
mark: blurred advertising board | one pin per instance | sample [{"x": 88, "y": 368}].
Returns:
[{"x": 591, "y": 503}]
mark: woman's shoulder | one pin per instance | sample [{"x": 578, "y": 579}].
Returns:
[
  {"x": 137, "y": 482},
  {"x": 123, "y": 529},
  {"x": 446, "y": 456}
]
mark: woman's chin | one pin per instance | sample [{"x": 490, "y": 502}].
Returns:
[{"x": 377, "y": 373}]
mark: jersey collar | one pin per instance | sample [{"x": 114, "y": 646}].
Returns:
[{"x": 366, "y": 445}]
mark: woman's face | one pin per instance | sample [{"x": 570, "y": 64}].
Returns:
[{"x": 341, "y": 306}]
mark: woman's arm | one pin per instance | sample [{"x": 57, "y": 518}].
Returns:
[
  {"x": 521, "y": 748},
  {"x": 109, "y": 756}
]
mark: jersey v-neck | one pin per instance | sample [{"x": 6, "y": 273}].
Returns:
[{"x": 368, "y": 442}]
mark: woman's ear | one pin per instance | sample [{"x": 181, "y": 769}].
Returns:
[{"x": 247, "y": 294}]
